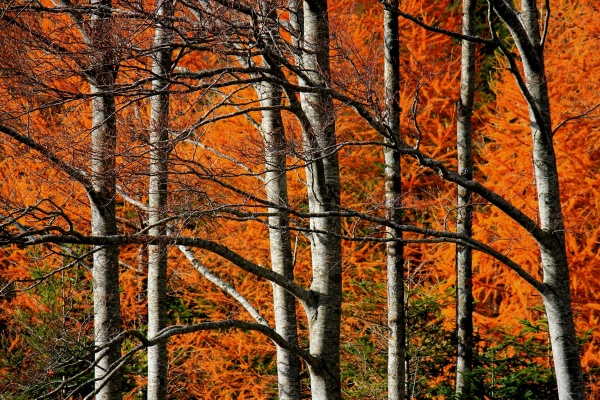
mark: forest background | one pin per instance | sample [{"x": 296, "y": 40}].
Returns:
[{"x": 109, "y": 105}]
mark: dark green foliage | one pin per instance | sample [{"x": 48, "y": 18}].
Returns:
[
  {"x": 431, "y": 345},
  {"x": 507, "y": 366},
  {"x": 430, "y": 353},
  {"x": 516, "y": 366},
  {"x": 49, "y": 340},
  {"x": 179, "y": 312}
]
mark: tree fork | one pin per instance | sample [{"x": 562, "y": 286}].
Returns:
[
  {"x": 525, "y": 30},
  {"x": 323, "y": 183}
]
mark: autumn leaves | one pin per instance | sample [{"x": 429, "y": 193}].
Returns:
[{"x": 223, "y": 124}]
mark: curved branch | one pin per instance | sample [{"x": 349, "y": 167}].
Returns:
[
  {"x": 174, "y": 330},
  {"x": 511, "y": 19},
  {"x": 443, "y": 236},
  {"x": 247, "y": 326},
  {"x": 452, "y": 34},
  {"x": 302, "y": 294},
  {"x": 73, "y": 172},
  {"x": 510, "y": 57},
  {"x": 567, "y": 120},
  {"x": 546, "y": 24}
]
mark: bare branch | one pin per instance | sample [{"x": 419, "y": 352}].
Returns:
[
  {"x": 455, "y": 35},
  {"x": 73, "y": 172},
  {"x": 575, "y": 117},
  {"x": 222, "y": 284},
  {"x": 213, "y": 247},
  {"x": 546, "y": 24}
]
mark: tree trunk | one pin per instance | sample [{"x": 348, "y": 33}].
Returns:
[
  {"x": 556, "y": 295},
  {"x": 464, "y": 222},
  {"x": 273, "y": 134},
  {"x": 107, "y": 313},
  {"x": 393, "y": 206},
  {"x": 323, "y": 180},
  {"x": 557, "y": 299},
  {"x": 288, "y": 364},
  {"x": 157, "y": 201}
]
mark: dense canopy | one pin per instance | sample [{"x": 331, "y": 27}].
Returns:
[{"x": 267, "y": 199}]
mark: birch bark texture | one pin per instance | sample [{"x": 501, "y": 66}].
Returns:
[
  {"x": 105, "y": 276},
  {"x": 464, "y": 221},
  {"x": 323, "y": 181},
  {"x": 525, "y": 30},
  {"x": 275, "y": 181},
  {"x": 284, "y": 303},
  {"x": 393, "y": 207},
  {"x": 275, "y": 151},
  {"x": 157, "y": 199}
]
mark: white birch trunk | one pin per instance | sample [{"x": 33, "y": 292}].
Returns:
[
  {"x": 556, "y": 294},
  {"x": 273, "y": 134},
  {"x": 393, "y": 206},
  {"x": 322, "y": 175},
  {"x": 107, "y": 313},
  {"x": 288, "y": 364},
  {"x": 157, "y": 201},
  {"x": 464, "y": 222}
]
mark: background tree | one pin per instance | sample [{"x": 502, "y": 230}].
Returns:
[
  {"x": 393, "y": 204},
  {"x": 107, "y": 312},
  {"x": 464, "y": 259},
  {"x": 97, "y": 65}
]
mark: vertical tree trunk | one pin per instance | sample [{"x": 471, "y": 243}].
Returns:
[
  {"x": 273, "y": 133},
  {"x": 393, "y": 207},
  {"x": 525, "y": 30},
  {"x": 323, "y": 180},
  {"x": 157, "y": 199},
  {"x": 288, "y": 364},
  {"x": 557, "y": 299},
  {"x": 464, "y": 222},
  {"x": 107, "y": 313}
]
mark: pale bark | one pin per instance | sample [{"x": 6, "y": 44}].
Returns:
[
  {"x": 107, "y": 315},
  {"x": 464, "y": 222},
  {"x": 393, "y": 206},
  {"x": 323, "y": 181},
  {"x": 157, "y": 201},
  {"x": 273, "y": 134},
  {"x": 525, "y": 30},
  {"x": 288, "y": 364}
]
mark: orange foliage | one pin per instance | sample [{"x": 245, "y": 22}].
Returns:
[
  {"x": 239, "y": 365},
  {"x": 572, "y": 46}
]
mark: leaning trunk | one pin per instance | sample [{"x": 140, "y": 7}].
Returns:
[
  {"x": 107, "y": 313},
  {"x": 556, "y": 294},
  {"x": 464, "y": 222},
  {"x": 557, "y": 297},
  {"x": 323, "y": 181},
  {"x": 393, "y": 207},
  {"x": 157, "y": 201}
]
